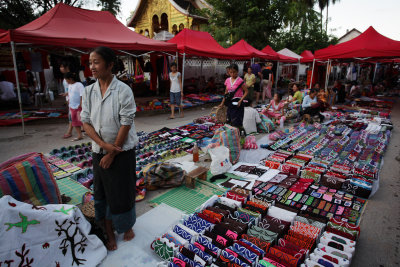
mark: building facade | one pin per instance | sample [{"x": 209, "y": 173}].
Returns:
[{"x": 153, "y": 16}]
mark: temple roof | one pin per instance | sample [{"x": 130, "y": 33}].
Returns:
[{"x": 186, "y": 7}]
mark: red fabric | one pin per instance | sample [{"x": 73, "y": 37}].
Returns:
[
  {"x": 369, "y": 44},
  {"x": 85, "y": 63},
  {"x": 197, "y": 43},
  {"x": 10, "y": 76},
  {"x": 246, "y": 50},
  {"x": 279, "y": 57},
  {"x": 2, "y": 31},
  {"x": 307, "y": 56},
  {"x": 67, "y": 26},
  {"x": 153, "y": 74}
]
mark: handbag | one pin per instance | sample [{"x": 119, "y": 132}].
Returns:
[{"x": 229, "y": 96}]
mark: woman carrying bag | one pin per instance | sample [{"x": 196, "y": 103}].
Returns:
[{"x": 235, "y": 92}]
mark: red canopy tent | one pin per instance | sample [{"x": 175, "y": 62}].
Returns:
[
  {"x": 68, "y": 26},
  {"x": 370, "y": 44},
  {"x": 201, "y": 44},
  {"x": 278, "y": 57},
  {"x": 306, "y": 57},
  {"x": 246, "y": 50}
]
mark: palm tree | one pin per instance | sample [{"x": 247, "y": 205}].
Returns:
[
  {"x": 322, "y": 4},
  {"x": 327, "y": 8}
]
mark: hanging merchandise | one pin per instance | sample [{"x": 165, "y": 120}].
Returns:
[
  {"x": 36, "y": 62},
  {"x": 165, "y": 73},
  {"x": 139, "y": 76}
]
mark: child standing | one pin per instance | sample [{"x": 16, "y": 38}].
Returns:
[
  {"x": 75, "y": 91},
  {"x": 176, "y": 91}
]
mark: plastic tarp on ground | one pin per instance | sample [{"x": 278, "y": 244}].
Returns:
[
  {"x": 201, "y": 44},
  {"x": 243, "y": 48},
  {"x": 278, "y": 57},
  {"x": 69, "y": 26},
  {"x": 370, "y": 44},
  {"x": 306, "y": 57}
]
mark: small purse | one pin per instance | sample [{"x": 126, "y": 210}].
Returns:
[
  {"x": 230, "y": 95},
  {"x": 162, "y": 249}
]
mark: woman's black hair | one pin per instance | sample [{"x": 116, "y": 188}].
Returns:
[
  {"x": 173, "y": 64},
  {"x": 312, "y": 91},
  {"x": 72, "y": 76},
  {"x": 234, "y": 66},
  {"x": 107, "y": 54},
  {"x": 279, "y": 96}
]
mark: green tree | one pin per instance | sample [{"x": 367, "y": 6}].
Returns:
[
  {"x": 253, "y": 20},
  {"x": 113, "y": 6},
  {"x": 305, "y": 35},
  {"x": 15, "y": 13}
]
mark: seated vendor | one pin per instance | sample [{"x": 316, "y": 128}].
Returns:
[
  {"x": 6, "y": 90},
  {"x": 250, "y": 118},
  {"x": 297, "y": 97},
  {"x": 275, "y": 110},
  {"x": 311, "y": 106}
]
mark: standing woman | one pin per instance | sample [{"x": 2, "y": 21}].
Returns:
[
  {"x": 108, "y": 110},
  {"x": 267, "y": 81},
  {"x": 236, "y": 87}
]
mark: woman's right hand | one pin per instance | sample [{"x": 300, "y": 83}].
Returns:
[{"x": 111, "y": 148}]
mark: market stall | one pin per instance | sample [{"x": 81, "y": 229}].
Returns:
[{"x": 76, "y": 29}]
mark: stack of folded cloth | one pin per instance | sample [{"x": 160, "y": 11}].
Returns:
[{"x": 336, "y": 246}]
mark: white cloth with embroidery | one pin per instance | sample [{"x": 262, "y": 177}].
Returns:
[{"x": 51, "y": 235}]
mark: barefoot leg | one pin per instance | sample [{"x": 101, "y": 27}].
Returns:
[
  {"x": 111, "y": 243},
  {"x": 129, "y": 235}
]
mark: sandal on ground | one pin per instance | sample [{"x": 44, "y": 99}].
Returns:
[
  {"x": 76, "y": 139},
  {"x": 66, "y": 136},
  {"x": 171, "y": 118}
]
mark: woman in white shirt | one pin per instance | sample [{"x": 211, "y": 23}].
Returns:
[
  {"x": 108, "y": 111},
  {"x": 176, "y": 91}
]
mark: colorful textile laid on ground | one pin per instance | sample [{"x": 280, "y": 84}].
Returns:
[
  {"x": 28, "y": 178},
  {"x": 244, "y": 229},
  {"x": 49, "y": 235},
  {"x": 72, "y": 167},
  {"x": 189, "y": 101},
  {"x": 11, "y": 118},
  {"x": 300, "y": 205}
]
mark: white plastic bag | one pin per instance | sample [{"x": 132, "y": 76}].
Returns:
[{"x": 220, "y": 162}]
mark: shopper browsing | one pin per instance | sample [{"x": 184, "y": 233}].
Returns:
[
  {"x": 75, "y": 92},
  {"x": 267, "y": 79},
  {"x": 176, "y": 91},
  {"x": 235, "y": 93}
]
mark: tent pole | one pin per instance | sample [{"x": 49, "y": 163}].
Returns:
[
  {"x": 312, "y": 73},
  {"x": 277, "y": 76},
  {"x": 183, "y": 69},
  {"x": 376, "y": 66},
  {"x": 298, "y": 70},
  {"x": 327, "y": 75},
  {"x": 17, "y": 82}
]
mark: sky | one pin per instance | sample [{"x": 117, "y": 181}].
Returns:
[{"x": 383, "y": 15}]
